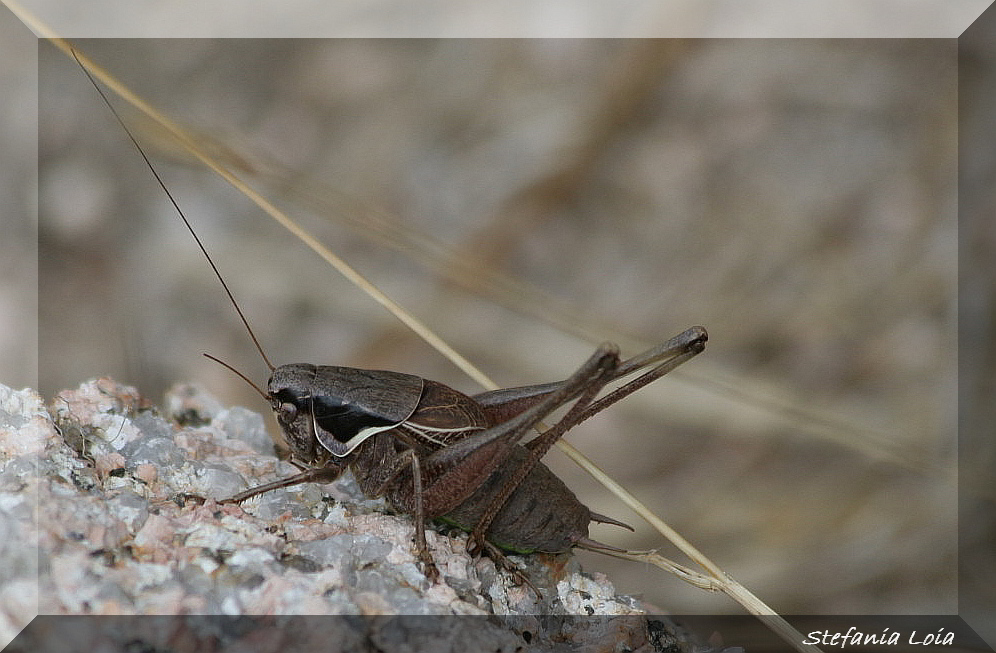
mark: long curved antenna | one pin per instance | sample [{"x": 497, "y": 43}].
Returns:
[
  {"x": 193, "y": 233},
  {"x": 240, "y": 375}
]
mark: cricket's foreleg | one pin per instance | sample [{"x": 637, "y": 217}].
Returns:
[{"x": 316, "y": 475}]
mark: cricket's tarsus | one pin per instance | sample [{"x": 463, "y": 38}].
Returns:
[{"x": 436, "y": 453}]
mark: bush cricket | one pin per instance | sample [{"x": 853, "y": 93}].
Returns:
[{"x": 438, "y": 454}]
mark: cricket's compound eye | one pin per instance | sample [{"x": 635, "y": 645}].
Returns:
[
  {"x": 287, "y": 405},
  {"x": 286, "y": 413}
]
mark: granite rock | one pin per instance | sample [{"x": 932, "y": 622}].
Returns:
[{"x": 119, "y": 531}]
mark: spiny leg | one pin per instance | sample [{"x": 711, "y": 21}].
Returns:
[
  {"x": 676, "y": 351},
  {"x": 502, "y": 405},
  {"x": 693, "y": 338},
  {"x": 539, "y": 447},
  {"x": 502, "y": 562},
  {"x": 673, "y": 353},
  {"x": 459, "y": 469},
  {"x": 316, "y": 475}
]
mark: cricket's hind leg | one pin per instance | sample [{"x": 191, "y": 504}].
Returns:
[{"x": 502, "y": 562}]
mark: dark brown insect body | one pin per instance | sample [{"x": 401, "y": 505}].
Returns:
[
  {"x": 543, "y": 515},
  {"x": 436, "y": 453}
]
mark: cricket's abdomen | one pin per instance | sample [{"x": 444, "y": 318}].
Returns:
[{"x": 543, "y": 514}]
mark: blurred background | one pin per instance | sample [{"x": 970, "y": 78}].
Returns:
[{"x": 530, "y": 198}]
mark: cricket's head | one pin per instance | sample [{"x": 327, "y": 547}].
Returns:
[
  {"x": 287, "y": 392},
  {"x": 332, "y": 410}
]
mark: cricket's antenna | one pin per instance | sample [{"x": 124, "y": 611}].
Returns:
[
  {"x": 193, "y": 233},
  {"x": 242, "y": 376}
]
